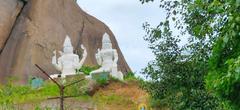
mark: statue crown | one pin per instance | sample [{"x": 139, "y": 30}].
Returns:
[
  {"x": 106, "y": 38},
  {"x": 67, "y": 42}
]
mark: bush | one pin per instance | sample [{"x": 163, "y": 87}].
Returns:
[
  {"x": 87, "y": 69},
  {"x": 77, "y": 89},
  {"x": 129, "y": 75},
  {"x": 102, "y": 82}
]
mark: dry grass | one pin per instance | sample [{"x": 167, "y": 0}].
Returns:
[{"x": 120, "y": 96}]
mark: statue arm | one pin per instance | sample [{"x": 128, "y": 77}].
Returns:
[
  {"x": 55, "y": 62},
  {"x": 84, "y": 56},
  {"x": 98, "y": 57}
]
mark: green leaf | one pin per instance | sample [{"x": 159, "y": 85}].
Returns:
[
  {"x": 237, "y": 2},
  {"x": 197, "y": 29},
  {"x": 237, "y": 70},
  {"x": 225, "y": 39}
]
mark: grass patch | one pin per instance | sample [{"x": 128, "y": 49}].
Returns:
[
  {"x": 84, "y": 98},
  {"x": 130, "y": 76},
  {"x": 11, "y": 94},
  {"x": 102, "y": 81},
  {"x": 77, "y": 89},
  {"x": 112, "y": 100}
]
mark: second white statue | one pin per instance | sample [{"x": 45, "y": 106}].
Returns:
[{"x": 107, "y": 58}]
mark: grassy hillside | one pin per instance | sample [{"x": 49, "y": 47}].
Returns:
[
  {"x": 115, "y": 95},
  {"x": 120, "y": 96}
]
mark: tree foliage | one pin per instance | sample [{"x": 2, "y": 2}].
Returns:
[
  {"x": 177, "y": 78},
  {"x": 210, "y": 59}
]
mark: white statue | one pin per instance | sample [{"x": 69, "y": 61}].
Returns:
[
  {"x": 68, "y": 62},
  {"x": 107, "y": 57}
]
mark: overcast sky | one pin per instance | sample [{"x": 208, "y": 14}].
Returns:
[{"x": 125, "y": 18}]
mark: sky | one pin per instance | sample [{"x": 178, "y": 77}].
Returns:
[{"x": 125, "y": 18}]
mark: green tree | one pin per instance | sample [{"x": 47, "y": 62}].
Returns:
[
  {"x": 177, "y": 73},
  {"x": 223, "y": 78},
  {"x": 211, "y": 54}
]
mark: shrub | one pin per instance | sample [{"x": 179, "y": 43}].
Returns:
[
  {"x": 77, "y": 89},
  {"x": 129, "y": 75},
  {"x": 102, "y": 81},
  {"x": 87, "y": 69}
]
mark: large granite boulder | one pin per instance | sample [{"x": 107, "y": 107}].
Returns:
[{"x": 40, "y": 28}]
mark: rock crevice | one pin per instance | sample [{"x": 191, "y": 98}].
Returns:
[
  {"x": 19, "y": 4},
  {"x": 10, "y": 11}
]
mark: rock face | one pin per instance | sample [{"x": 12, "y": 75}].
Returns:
[
  {"x": 30, "y": 34},
  {"x": 9, "y": 10}
]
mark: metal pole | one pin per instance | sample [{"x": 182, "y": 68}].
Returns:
[
  {"x": 60, "y": 86},
  {"x": 48, "y": 75},
  {"x": 61, "y": 97}
]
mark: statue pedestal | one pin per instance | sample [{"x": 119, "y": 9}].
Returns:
[
  {"x": 100, "y": 76},
  {"x": 80, "y": 74}
]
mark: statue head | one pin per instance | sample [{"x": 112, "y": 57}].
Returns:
[
  {"x": 67, "y": 46},
  {"x": 106, "y": 42}
]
